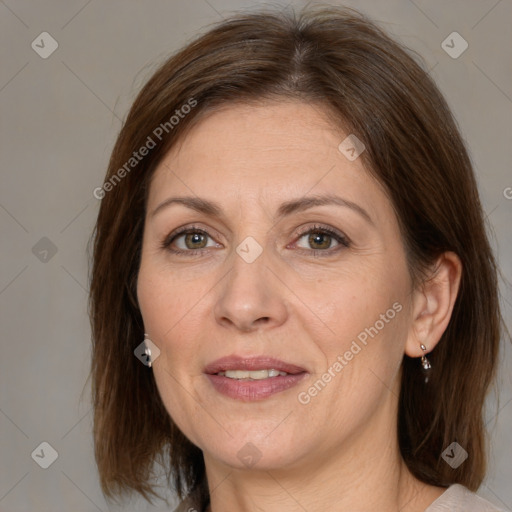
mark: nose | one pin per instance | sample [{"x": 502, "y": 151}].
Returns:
[{"x": 250, "y": 297}]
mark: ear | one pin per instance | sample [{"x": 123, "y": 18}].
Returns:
[{"x": 432, "y": 305}]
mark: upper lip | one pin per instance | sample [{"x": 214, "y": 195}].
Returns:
[{"x": 251, "y": 364}]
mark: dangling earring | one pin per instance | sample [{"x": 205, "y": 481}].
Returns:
[
  {"x": 147, "y": 351},
  {"x": 425, "y": 363}
]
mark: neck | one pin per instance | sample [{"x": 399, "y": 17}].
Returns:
[{"x": 365, "y": 472}]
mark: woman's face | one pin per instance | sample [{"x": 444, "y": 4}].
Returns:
[{"x": 291, "y": 261}]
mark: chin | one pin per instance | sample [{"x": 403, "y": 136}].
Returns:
[{"x": 259, "y": 452}]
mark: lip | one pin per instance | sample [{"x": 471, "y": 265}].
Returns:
[
  {"x": 257, "y": 389},
  {"x": 251, "y": 363}
]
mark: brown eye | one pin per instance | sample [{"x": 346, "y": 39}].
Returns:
[
  {"x": 320, "y": 239},
  {"x": 188, "y": 241},
  {"x": 317, "y": 240},
  {"x": 195, "y": 240}
]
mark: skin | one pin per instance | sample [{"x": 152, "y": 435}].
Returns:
[{"x": 306, "y": 307}]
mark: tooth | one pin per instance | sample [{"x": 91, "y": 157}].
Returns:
[
  {"x": 259, "y": 374},
  {"x": 237, "y": 374},
  {"x": 252, "y": 375}
]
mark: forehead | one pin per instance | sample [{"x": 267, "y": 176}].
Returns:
[{"x": 269, "y": 152}]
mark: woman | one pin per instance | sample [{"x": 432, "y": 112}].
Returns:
[{"x": 293, "y": 299}]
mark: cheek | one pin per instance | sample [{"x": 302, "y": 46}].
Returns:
[
  {"x": 165, "y": 317},
  {"x": 366, "y": 316},
  {"x": 165, "y": 302},
  {"x": 352, "y": 303},
  {"x": 166, "y": 321}
]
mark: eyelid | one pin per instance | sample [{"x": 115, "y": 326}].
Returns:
[{"x": 191, "y": 227}]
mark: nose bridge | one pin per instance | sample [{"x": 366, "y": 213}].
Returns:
[{"x": 249, "y": 295}]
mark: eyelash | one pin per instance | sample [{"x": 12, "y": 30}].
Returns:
[{"x": 343, "y": 240}]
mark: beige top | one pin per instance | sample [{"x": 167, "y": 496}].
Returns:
[{"x": 455, "y": 499}]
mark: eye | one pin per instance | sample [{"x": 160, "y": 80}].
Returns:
[
  {"x": 189, "y": 240},
  {"x": 322, "y": 239},
  {"x": 316, "y": 240}
]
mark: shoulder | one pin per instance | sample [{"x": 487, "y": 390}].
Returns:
[{"x": 458, "y": 498}]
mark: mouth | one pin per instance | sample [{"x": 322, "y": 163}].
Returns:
[{"x": 254, "y": 378}]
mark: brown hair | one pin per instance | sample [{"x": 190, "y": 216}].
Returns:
[{"x": 372, "y": 87}]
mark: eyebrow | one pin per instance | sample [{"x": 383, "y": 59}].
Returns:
[{"x": 287, "y": 208}]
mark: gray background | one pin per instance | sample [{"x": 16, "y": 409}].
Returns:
[{"x": 59, "y": 119}]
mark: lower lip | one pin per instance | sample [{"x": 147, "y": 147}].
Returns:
[{"x": 252, "y": 390}]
